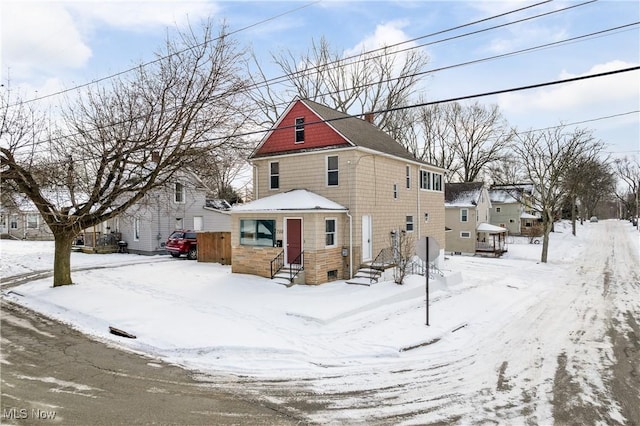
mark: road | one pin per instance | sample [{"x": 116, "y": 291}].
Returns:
[{"x": 52, "y": 374}]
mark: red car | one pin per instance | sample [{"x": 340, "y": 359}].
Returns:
[{"x": 182, "y": 242}]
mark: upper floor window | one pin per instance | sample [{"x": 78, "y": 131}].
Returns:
[
  {"x": 179, "y": 193},
  {"x": 498, "y": 209},
  {"x": 395, "y": 191},
  {"x": 274, "y": 175},
  {"x": 425, "y": 179},
  {"x": 13, "y": 221},
  {"x": 299, "y": 130},
  {"x": 408, "y": 178},
  {"x": 437, "y": 182},
  {"x": 330, "y": 232},
  {"x": 464, "y": 215},
  {"x": 332, "y": 170},
  {"x": 136, "y": 229},
  {"x": 32, "y": 221}
]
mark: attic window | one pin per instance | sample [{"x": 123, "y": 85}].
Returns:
[{"x": 299, "y": 130}]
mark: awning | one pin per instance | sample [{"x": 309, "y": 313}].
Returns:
[
  {"x": 525, "y": 215},
  {"x": 492, "y": 229}
]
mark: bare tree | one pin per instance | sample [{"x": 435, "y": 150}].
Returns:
[
  {"x": 628, "y": 172},
  {"x": 586, "y": 182},
  {"x": 467, "y": 140},
  {"x": 363, "y": 83},
  {"x": 546, "y": 156},
  {"x": 403, "y": 244},
  {"x": 129, "y": 138}
]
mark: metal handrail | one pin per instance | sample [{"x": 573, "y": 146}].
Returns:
[
  {"x": 382, "y": 260},
  {"x": 279, "y": 264},
  {"x": 299, "y": 266}
]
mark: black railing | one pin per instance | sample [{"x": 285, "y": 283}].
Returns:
[
  {"x": 277, "y": 264},
  {"x": 296, "y": 266},
  {"x": 383, "y": 260}
]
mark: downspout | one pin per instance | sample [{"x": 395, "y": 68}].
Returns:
[
  {"x": 256, "y": 182},
  {"x": 350, "y": 245},
  {"x": 418, "y": 219}
]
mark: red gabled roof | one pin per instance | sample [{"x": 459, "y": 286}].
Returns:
[{"x": 317, "y": 133}]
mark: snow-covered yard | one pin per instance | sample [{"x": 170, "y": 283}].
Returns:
[{"x": 339, "y": 337}]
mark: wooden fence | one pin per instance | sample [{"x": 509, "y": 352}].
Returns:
[{"x": 214, "y": 247}]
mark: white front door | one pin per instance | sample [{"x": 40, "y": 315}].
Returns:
[{"x": 367, "y": 244}]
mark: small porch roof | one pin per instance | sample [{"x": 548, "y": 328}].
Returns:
[
  {"x": 526, "y": 215},
  {"x": 491, "y": 229},
  {"x": 297, "y": 200}
]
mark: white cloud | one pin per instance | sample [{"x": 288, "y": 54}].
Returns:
[
  {"x": 385, "y": 35},
  {"x": 595, "y": 92},
  {"x": 37, "y": 36},
  {"x": 142, "y": 15}
]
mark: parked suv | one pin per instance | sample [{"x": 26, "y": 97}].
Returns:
[{"x": 182, "y": 242}]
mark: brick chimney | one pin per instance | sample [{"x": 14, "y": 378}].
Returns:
[{"x": 368, "y": 117}]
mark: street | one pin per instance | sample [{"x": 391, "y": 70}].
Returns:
[{"x": 51, "y": 374}]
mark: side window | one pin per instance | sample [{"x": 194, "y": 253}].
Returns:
[
  {"x": 395, "y": 191},
  {"x": 465, "y": 234},
  {"x": 32, "y": 221},
  {"x": 408, "y": 177},
  {"x": 464, "y": 215},
  {"x": 136, "y": 229},
  {"x": 332, "y": 170},
  {"x": 437, "y": 182},
  {"x": 425, "y": 179},
  {"x": 179, "y": 193},
  {"x": 409, "y": 225},
  {"x": 299, "y": 130},
  {"x": 274, "y": 175},
  {"x": 330, "y": 232}
]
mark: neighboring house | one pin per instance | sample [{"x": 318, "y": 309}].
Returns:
[
  {"x": 330, "y": 191},
  {"x": 511, "y": 208},
  {"x": 20, "y": 219},
  {"x": 182, "y": 204},
  {"x": 467, "y": 215}
]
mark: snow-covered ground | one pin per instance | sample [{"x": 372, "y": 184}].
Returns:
[{"x": 473, "y": 363}]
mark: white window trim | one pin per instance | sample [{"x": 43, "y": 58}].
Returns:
[
  {"x": 467, "y": 215},
  {"x": 296, "y": 130},
  {"x": 326, "y": 163},
  {"x": 407, "y": 222},
  {"x": 408, "y": 177},
  {"x": 395, "y": 191},
  {"x": 136, "y": 229},
  {"x": 271, "y": 175},
  {"x": 335, "y": 232},
  {"x": 183, "y": 193},
  {"x": 465, "y": 232},
  {"x": 29, "y": 216}
]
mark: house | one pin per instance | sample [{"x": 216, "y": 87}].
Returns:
[
  {"x": 511, "y": 208},
  {"x": 467, "y": 215},
  {"x": 20, "y": 219},
  {"x": 330, "y": 192},
  {"x": 182, "y": 204}
]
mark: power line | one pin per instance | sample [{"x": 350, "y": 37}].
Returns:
[
  {"x": 431, "y": 70},
  {"x": 423, "y": 104}
]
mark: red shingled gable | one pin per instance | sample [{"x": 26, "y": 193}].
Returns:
[{"x": 316, "y": 135}]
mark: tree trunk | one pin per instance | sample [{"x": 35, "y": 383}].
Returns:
[
  {"x": 62, "y": 259},
  {"x": 547, "y": 226},
  {"x": 573, "y": 215}
]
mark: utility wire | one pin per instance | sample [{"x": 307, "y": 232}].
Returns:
[
  {"x": 284, "y": 78},
  {"x": 423, "y": 104},
  {"x": 486, "y": 59}
]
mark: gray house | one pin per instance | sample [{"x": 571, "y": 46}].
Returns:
[
  {"x": 20, "y": 219},
  {"x": 181, "y": 205},
  {"x": 511, "y": 208}
]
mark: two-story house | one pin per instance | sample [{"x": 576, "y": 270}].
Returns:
[
  {"x": 467, "y": 215},
  {"x": 181, "y": 204},
  {"x": 511, "y": 208},
  {"x": 330, "y": 192}
]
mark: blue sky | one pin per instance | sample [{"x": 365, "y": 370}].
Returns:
[{"x": 52, "y": 45}]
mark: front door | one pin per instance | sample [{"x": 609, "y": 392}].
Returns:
[
  {"x": 367, "y": 244},
  {"x": 294, "y": 240}
]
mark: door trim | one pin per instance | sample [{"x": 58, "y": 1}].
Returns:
[
  {"x": 368, "y": 254},
  {"x": 286, "y": 236}
]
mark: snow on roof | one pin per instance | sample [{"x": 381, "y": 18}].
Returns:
[
  {"x": 486, "y": 227},
  {"x": 297, "y": 199},
  {"x": 465, "y": 194},
  {"x": 501, "y": 196}
]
